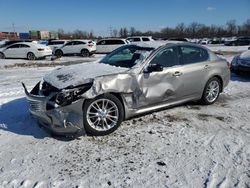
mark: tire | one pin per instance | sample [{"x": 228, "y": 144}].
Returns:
[
  {"x": 102, "y": 115},
  {"x": 85, "y": 53},
  {"x": 31, "y": 56},
  {"x": 58, "y": 53},
  {"x": 2, "y": 56},
  {"x": 211, "y": 91}
]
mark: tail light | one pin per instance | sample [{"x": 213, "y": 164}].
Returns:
[
  {"x": 40, "y": 49},
  {"x": 228, "y": 65},
  {"x": 90, "y": 44}
]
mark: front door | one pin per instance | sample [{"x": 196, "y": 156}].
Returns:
[
  {"x": 161, "y": 86},
  {"x": 12, "y": 51}
]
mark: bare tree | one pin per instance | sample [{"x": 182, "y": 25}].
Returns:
[
  {"x": 231, "y": 27},
  {"x": 132, "y": 31},
  {"x": 115, "y": 33}
]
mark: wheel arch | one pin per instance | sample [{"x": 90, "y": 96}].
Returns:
[
  {"x": 84, "y": 49},
  {"x": 221, "y": 81}
]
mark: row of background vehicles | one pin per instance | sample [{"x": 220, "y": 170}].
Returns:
[
  {"x": 32, "y": 50},
  {"x": 39, "y": 49}
]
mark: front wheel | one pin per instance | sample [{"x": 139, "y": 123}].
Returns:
[
  {"x": 102, "y": 115},
  {"x": 211, "y": 91},
  {"x": 2, "y": 56}
]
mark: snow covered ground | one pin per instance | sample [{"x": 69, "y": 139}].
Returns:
[
  {"x": 186, "y": 146},
  {"x": 9, "y": 63}
]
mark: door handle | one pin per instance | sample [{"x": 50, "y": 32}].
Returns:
[
  {"x": 207, "y": 67},
  {"x": 177, "y": 73}
]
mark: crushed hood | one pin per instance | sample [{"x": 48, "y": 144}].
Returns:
[{"x": 75, "y": 75}]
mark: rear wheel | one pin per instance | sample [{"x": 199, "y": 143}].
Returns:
[
  {"x": 211, "y": 91},
  {"x": 102, "y": 115},
  {"x": 2, "y": 56},
  {"x": 31, "y": 56},
  {"x": 59, "y": 53},
  {"x": 85, "y": 53}
]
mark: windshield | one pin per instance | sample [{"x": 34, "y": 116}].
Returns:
[{"x": 127, "y": 56}]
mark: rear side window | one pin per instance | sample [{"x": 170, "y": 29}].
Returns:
[
  {"x": 134, "y": 39},
  {"x": 191, "y": 54},
  {"x": 23, "y": 46},
  {"x": 145, "y": 39},
  {"x": 102, "y": 42},
  {"x": 115, "y": 42},
  {"x": 78, "y": 43}
]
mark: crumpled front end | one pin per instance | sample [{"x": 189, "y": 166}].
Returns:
[{"x": 60, "y": 117}]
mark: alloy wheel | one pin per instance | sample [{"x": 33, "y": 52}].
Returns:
[{"x": 102, "y": 114}]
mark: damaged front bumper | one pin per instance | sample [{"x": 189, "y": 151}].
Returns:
[{"x": 59, "y": 120}]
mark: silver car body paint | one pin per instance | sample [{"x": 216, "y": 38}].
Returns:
[{"x": 139, "y": 91}]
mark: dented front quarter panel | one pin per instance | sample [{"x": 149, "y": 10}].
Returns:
[{"x": 137, "y": 90}]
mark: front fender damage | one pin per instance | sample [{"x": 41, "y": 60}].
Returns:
[{"x": 124, "y": 84}]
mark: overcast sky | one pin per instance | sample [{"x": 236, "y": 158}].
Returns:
[{"x": 99, "y": 15}]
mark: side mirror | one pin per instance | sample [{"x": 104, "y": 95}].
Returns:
[{"x": 153, "y": 68}]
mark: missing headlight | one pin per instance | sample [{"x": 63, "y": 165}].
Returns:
[{"x": 67, "y": 96}]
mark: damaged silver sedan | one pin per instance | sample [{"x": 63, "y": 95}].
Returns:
[{"x": 96, "y": 97}]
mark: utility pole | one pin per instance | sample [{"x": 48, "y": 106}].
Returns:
[
  {"x": 13, "y": 26},
  {"x": 110, "y": 28}
]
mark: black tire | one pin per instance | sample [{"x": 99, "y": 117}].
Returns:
[
  {"x": 88, "y": 105},
  {"x": 31, "y": 56},
  {"x": 58, "y": 53},
  {"x": 85, "y": 53},
  {"x": 204, "y": 99},
  {"x": 2, "y": 56}
]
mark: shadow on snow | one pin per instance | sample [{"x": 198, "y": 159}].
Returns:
[{"x": 15, "y": 118}]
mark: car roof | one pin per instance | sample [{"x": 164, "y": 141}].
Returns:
[
  {"x": 140, "y": 36},
  {"x": 112, "y": 39}
]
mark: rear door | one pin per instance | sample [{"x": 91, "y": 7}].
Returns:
[
  {"x": 195, "y": 66},
  {"x": 23, "y": 50},
  {"x": 68, "y": 48},
  {"x": 78, "y": 46}
]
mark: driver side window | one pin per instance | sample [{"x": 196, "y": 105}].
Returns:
[{"x": 167, "y": 57}]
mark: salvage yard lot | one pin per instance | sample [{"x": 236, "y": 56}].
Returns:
[{"x": 186, "y": 146}]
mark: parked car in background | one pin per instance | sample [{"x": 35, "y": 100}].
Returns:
[
  {"x": 84, "y": 48},
  {"x": 240, "y": 41},
  {"x": 178, "y": 39},
  {"x": 204, "y": 41},
  {"x": 140, "y": 39},
  {"x": 43, "y": 42},
  {"x": 109, "y": 45},
  {"x": 53, "y": 44},
  {"x": 27, "y": 50},
  {"x": 241, "y": 63},
  {"x": 132, "y": 80}
]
